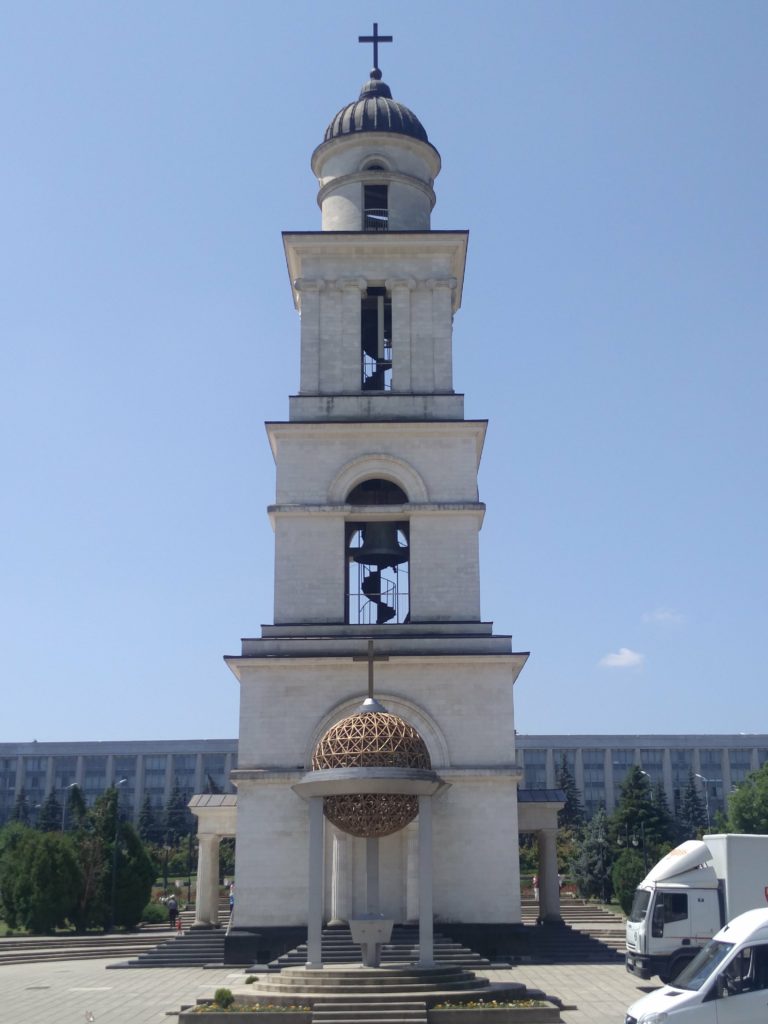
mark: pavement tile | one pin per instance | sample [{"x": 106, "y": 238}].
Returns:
[{"x": 65, "y": 992}]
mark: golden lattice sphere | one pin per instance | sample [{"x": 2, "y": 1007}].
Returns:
[{"x": 371, "y": 739}]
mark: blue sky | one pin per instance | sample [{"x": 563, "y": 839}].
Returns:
[{"x": 610, "y": 162}]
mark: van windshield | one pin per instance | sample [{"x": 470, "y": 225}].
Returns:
[
  {"x": 707, "y": 960},
  {"x": 640, "y": 905}
]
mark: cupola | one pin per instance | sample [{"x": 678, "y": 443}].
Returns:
[{"x": 375, "y": 167}]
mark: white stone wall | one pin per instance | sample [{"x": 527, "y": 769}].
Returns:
[
  {"x": 463, "y": 708},
  {"x": 284, "y": 702}
]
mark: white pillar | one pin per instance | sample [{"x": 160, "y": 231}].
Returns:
[
  {"x": 426, "y": 941},
  {"x": 316, "y": 876},
  {"x": 372, "y": 876},
  {"x": 341, "y": 888},
  {"x": 207, "y": 901},
  {"x": 549, "y": 886},
  {"x": 412, "y": 873}
]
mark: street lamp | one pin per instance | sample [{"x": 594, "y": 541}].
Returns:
[
  {"x": 64, "y": 802},
  {"x": 114, "y": 854},
  {"x": 635, "y": 841},
  {"x": 706, "y": 782}
]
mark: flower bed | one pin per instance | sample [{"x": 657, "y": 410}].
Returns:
[
  {"x": 524, "y": 1011},
  {"x": 239, "y": 1013}
]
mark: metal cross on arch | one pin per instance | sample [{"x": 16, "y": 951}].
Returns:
[
  {"x": 370, "y": 657},
  {"x": 375, "y": 39}
]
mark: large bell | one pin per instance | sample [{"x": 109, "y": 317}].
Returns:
[{"x": 380, "y": 546}]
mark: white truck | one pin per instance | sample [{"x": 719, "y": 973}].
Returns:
[
  {"x": 725, "y": 983},
  {"x": 688, "y": 896}
]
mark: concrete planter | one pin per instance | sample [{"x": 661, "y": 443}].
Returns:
[
  {"x": 501, "y": 1015},
  {"x": 246, "y": 1017}
]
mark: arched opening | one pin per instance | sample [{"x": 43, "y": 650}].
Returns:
[
  {"x": 376, "y": 340},
  {"x": 377, "y": 553}
]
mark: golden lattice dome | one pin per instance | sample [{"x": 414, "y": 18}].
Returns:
[{"x": 371, "y": 739}]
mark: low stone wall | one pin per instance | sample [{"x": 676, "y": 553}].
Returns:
[
  {"x": 246, "y": 1017},
  {"x": 472, "y": 1015}
]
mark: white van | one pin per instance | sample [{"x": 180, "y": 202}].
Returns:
[{"x": 725, "y": 983}]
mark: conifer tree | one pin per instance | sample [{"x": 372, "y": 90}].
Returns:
[
  {"x": 691, "y": 813},
  {"x": 572, "y": 815},
  {"x": 176, "y": 819},
  {"x": 148, "y": 828},
  {"x": 50, "y": 814},
  {"x": 21, "y": 808},
  {"x": 77, "y": 809},
  {"x": 591, "y": 868}
]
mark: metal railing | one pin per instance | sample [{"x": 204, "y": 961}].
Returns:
[{"x": 375, "y": 219}]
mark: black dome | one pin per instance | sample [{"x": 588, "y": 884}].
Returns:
[{"x": 375, "y": 111}]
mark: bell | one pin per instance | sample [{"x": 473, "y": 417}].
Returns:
[{"x": 380, "y": 546}]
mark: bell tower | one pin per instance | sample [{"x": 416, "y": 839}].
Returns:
[{"x": 376, "y": 522}]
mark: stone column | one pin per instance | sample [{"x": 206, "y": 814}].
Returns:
[
  {"x": 316, "y": 879},
  {"x": 400, "y": 292},
  {"x": 309, "y": 292},
  {"x": 352, "y": 290},
  {"x": 442, "y": 328},
  {"x": 426, "y": 939},
  {"x": 341, "y": 888},
  {"x": 372, "y": 876},
  {"x": 412, "y": 873},
  {"x": 549, "y": 887},
  {"x": 207, "y": 902}
]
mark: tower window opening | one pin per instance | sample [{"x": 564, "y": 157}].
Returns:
[
  {"x": 377, "y": 492},
  {"x": 377, "y": 573},
  {"x": 375, "y": 208},
  {"x": 376, "y": 340}
]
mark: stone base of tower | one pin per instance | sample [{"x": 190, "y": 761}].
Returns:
[{"x": 456, "y": 690}]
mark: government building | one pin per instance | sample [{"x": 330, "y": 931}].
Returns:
[{"x": 156, "y": 767}]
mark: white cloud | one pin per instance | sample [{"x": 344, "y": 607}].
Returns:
[
  {"x": 664, "y": 616},
  {"x": 623, "y": 658}
]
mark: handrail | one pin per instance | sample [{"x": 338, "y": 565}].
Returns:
[{"x": 375, "y": 219}]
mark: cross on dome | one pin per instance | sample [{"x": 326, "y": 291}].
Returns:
[
  {"x": 370, "y": 657},
  {"x": 375, "y": 39}
]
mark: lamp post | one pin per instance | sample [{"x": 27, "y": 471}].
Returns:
[
  {"x": 113, "y": 900},
  {"x": 64, "y": 802},
  {"x": 706, "y": 782},
  {"x": 634, "y": 840},
  {"x": 167, "y": 848}
]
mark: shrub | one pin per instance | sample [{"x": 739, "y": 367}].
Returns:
[
  {"x": 223, "y": 997},
  {"x": 154, "y": 913}
]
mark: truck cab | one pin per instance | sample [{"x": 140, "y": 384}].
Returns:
[{"x": 676, "y": 909}]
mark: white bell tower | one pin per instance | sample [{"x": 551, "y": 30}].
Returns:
[{"x": 376, "y": 521}]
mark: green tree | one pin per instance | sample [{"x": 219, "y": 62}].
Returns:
[
  {"x": 637, "y": 815},
  {"x": 136, "y": 871},
  {"x": 572, "y": 815},
  {"x": 11, "y": 836},
  {"x": 20, "y": 810},
  {"x": 50, "y": 814},
  {"x": 748, "y": 804},
  {"x": 77, "y": 809},
  {"x": 148, "y": 828},
  {"x": 176, "y": 817},
  {"x": 666, "y": 821},
  {"x": 691, "y": 812},
  {"x": 40, "y": 880},
  {"x": 591, "y": 867},
  {"x": 627, "y": 873}
]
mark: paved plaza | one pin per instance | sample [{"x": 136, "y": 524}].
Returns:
[{"x": 67, "y": 992}]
